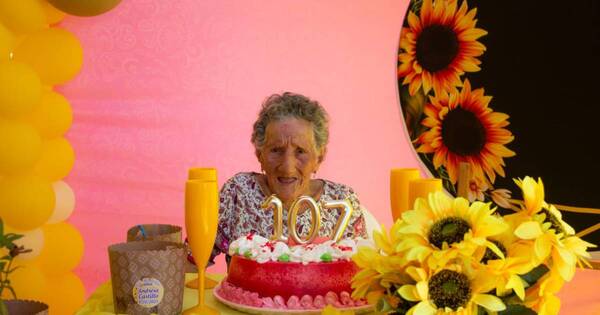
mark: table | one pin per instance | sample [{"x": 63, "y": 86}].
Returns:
[{"x": 580, "y": 296}]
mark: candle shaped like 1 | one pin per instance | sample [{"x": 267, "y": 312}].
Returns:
[
  {"x": 315, "y": 223},
  {"x": 277, "y": 205}
]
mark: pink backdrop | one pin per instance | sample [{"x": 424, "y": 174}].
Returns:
[{"x": 167, "y": 85}]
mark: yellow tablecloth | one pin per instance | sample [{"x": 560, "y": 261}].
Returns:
[
  {"x": 101, "y": 301},
  {"x": 581, "y": 296}
]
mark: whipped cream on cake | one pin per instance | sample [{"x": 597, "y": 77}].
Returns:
[{"x": 261, "y": 250}]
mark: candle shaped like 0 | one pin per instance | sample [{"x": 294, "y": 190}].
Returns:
[
  {"x": 315, "y": 223},
  {"x": 277, "y": 206}
]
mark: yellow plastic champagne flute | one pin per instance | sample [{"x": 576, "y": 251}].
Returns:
[
  {"x": 201, "y": 216},
  {"x": 203, "y": 174},
  {"x": 399, "y": 179}
]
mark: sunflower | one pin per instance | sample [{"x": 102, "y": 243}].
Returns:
[
  {"x": 462, "y": 128},
  {"x": 438, "y": 46},
  {"x": 451, "y": 290},
  {"x": 541, "y": 296},
  {"x": 387, "y": 243},
  {"x": 441, "y": 228},
  {"x": 553, "y": 238},
  {"x": 379, "y": 272},
  {"x": 517, "y": 260}
]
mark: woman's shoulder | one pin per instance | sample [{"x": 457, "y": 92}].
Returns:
[
  {"x": 242, "y": 180},
  {"x": 337, "y": 190}
]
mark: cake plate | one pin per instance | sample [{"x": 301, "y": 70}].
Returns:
[{"x": 277, "y": 311}]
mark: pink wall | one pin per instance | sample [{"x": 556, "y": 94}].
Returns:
[{"x": 167, "y": 85}]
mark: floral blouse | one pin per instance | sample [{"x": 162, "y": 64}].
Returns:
[{"x": 240, "y": 212}]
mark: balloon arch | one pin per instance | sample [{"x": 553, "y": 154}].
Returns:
[{"x": 35, "y": 157}]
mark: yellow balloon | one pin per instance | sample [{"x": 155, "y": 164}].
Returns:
[
  {"x": 32, "y": 240},
  {"x": 28, "y": 281},
  {"x": 7, "y": 41},
  {"x": 26, "y": 202},
  {"x": 22, "y": 16},
  {"x": 65, "y": 202},
  {"x": 54, "y": 53},
  {"x": 65, "y": 294},
  {"x": 56, "y": 160},
  {"x": 63, "y": 249},
  {"x": 20, "y": 89},
  {"x": 53, "y": 15},
  {"x": 84, "y": 8},
  {"x": 20, "y": 146},
  {"x": 53, "y": 117}
]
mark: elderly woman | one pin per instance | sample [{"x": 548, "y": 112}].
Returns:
[{"x": 290, "y": 139}]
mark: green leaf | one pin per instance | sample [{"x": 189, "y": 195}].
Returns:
[
  {"x": 248, "y": 254},
  {"x": 11, "y": 237},
  {"x": 517, "y": 309},
  {"x": 535, "y": 274},
  {"x": 1, "y": 227}
]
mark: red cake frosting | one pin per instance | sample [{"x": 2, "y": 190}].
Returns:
[
  {"x": 291, "y": 278},
  {"x": 271, "y": 274}
]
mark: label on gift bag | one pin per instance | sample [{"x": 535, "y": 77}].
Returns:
[{"x": 148, "y": 292}]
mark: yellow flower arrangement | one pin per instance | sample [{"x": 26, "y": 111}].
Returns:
[{"x": 449, "y": 256}]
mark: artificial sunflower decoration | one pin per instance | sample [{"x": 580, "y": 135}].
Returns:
[
  {"x": 449, "y": 256},
  {"x": 382, "y": 266},
  {"x": 516, "y": 260},
  {"x": 554, "y": 240},
  {"x": 463, "y": 128},
  {"x": 451, "y": 290},
  {"x": 442, "y": 228},
  {"x": 438, "y": 46}
]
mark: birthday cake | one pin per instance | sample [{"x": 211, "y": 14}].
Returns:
[{"x": 272, "y": 275}]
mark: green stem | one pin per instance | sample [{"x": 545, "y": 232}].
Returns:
[{"x": 4, "y": 278}]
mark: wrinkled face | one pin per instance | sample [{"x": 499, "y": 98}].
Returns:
[{"x": 288, "y": 157}]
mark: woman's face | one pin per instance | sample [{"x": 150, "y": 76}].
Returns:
[{"x": 289, "y": 156}]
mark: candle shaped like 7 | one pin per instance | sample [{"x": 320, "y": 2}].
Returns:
[
  {"x": 343, "y": 220},
  {"x": 277, "y": 206}
]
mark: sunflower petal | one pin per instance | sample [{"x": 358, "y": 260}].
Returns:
[
  {"x": 516, "y": 283},
  {"x": 542, "y": 248},
  {"x": 409, "y": 293},
  {"x": 424, "y": 308},
  {"x": 490, "y": 302},
  {"x": 528, "y": 230}
]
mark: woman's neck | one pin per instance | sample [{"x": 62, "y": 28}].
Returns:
[{"x": 314, "y": 190}]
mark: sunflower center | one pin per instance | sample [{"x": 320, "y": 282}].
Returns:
[
  {"x": 463, "y": 133},
  {"x": 437, "y": 46},
  {"x": 490, "y": 255},
  {"x": 450, "y": 230},
  {"x": 449, "y": 288},
  {"x": 554, "y": 223}
]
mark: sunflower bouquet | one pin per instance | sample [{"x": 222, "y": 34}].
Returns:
[{"x": 449, "y": 256}]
